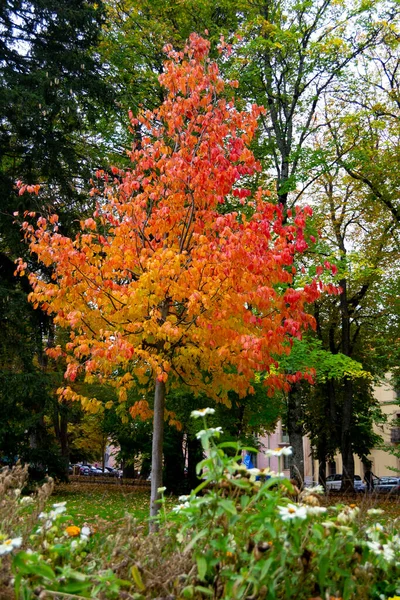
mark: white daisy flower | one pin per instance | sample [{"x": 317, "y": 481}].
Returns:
[
  {"x": 85, "y": 533},
  {"x": 26, "y": 500},
  {"x": 253, "y": 471},
  {"x": 8, "y": 545},
  {"x": 287, "y": 451},
  {"x": 202, "y": 412},
  {"x": 278, "y": 452},
  {"x": 292, "y": 511},
  {"x": 376, "y": 547},
  {"x": 316, "y": 510},
  {"x": 209, "y": 432},
  {"x": 388, "y": 552},
  {"x": 375, "y": 511},
  {"x": 57, "y": 510},
  {"x": 183, "y": 498},
  {"x": 317, "y": 489},
  {"x": 74, "y": 545},
  {"x": 180, "y": 507}
]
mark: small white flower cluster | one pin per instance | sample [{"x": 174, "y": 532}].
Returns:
[
  {"x": 347, "y": 515},
  {"x": 202, "y": 412},
  {"x": 26, "y": 500},
  {"x": 180, "y": 507},
  {"x": 375, "y": 512},
  {"x": 387, "y": 551},
  {"x": 278, "y": 452},
  {"x": 49, "y": 517},
  {"x": 209, "y": 432},
  {"x": 8, "y": 545},
  {"x": 83, "y": 538},
  {"x": 317, "y": 489},
  {"x": 254, "y": 472},
  {"x": 184, "y": 503},
  {"x": 85, "y": 533}
]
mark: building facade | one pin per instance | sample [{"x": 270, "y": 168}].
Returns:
[{"x": 382, "y": 461}]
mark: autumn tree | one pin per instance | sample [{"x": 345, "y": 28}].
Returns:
[{"x": 162, "y": 287}]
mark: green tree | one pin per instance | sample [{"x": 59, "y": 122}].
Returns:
[{"x": 358, "y": 239}]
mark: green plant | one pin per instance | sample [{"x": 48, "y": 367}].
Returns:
[{"x": 242, "y": 534}]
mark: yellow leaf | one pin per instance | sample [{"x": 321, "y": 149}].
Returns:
[{"x": 137, "y": 578}]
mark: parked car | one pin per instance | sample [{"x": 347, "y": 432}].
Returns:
[
  {"x": 84, "y": 470},
  {"x": 334, "y": 483},
  {"x": 95, "y": 470},
  {"x": 387, "y": 485},
  {"x": 110, "y": 471}
]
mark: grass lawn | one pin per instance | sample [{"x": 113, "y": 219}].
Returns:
[{"x": 102, "y": 505}]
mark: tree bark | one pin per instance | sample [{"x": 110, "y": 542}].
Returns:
[
  {"x": 157, "y": 450},
  {"x": 347, "y": 408},
  {"x": 346, "y": 443},
  {"x": 296, "y": 432},
  {"x": 322, "y": 469}
]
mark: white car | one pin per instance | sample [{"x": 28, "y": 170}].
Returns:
[
  {"x": 334, "y": 483},
  {"x": 387, "y": 485}
]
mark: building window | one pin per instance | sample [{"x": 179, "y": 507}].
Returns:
[
  {"x": 332, "y": 467},
  {"x": 395, "y": 431},
  {"x": 284, "y": 436},
  {"x": 287, "y": 462}
]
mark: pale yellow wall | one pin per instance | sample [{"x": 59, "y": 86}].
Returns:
[{"x": 381, "y": 459}]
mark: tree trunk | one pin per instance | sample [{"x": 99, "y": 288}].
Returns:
[
  {"x": 60, "y": 423},
  {"x": 346, "y": 443},
  {"x": 347, "y": 409},
  {"x": 296, "y": 432},
  {"x": 322, "y": 471},
  {"x": 157, "y": 450}
]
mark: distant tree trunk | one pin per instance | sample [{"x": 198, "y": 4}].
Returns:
[
  {"x": 157, "y": 449},
  {"x": 103, "y": 452},
  {"x": 60, "y": 423},
  {"x": 322, "y": 470},
  {"x": 296, "y": 431},
  {"x": 195, "y": 455},
  {"x": 346, "y": 443},
  {"x": 174, "y": 461},
  {"x": 347, "y": 406},
  {"x": 321, "y": 456}
]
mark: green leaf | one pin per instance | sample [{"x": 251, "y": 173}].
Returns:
[
  {"x": 44, "y": 571},
  {"x": 201, "y": 567},
  {"x": 196, "y": 538},
  {"x": 200, "y": 588},
  {"x": 228, "y": 505},
  {"x": 234, "y": 445},
  {"x": 75, "y": 586}
]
